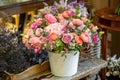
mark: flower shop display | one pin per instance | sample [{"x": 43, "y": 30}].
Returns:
[
  {"x": 113, "y": 68},
  {"x": 62, "y": 29}
]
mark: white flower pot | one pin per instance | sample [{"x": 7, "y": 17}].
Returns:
[{"x": 61, "y": 66}]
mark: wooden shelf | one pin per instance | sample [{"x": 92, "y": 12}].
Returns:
[
  {"x": 108, "y": 14},
  {"x": 107, "y": 19},
  {"x": 115, "y": 28}
]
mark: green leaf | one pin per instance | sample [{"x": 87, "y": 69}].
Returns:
[
  {"x": 71, "y": 46},
  {"x": 75, "y": 53},
  {"x": 44, "y": 33},
  {"x": 117, "y": 10},
  {"x": 87, "y": 23},
  {"x": 78, "y": 47},
  {"x": 22, "y": 34},
  {"x": 78, "y": 12},
  {"x": 59, "y": 45},
  {"x": 64, "y": 55}
]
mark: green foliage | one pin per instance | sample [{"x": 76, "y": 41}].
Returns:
[
  {"x": 78, "y": 12},
  {"x": 117, "y": 10},
  {"x": 60, "y": 45},
  {"x": 75, "y": 47}
]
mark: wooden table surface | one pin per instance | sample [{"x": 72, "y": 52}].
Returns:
[{"x": 85, "y": 68}]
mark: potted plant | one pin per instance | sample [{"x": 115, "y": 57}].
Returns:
[
  {"x": 63, "y": 30},
  {"x": 117, "y": 10},
  {"x": 113, "y": 68}
]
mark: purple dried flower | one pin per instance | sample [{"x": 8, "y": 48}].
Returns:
[
  {"x": 54, "y": 9},
  {"x": 72, "y": 4},
  {"x": 81, "y": 3}
]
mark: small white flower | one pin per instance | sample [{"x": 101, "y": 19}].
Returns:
[
  {"x": 94, "y": 29},
  {"x": 115, "y": 73},
  {"x": 108, "y": 74},
  {"x": 114, "y": 58}
]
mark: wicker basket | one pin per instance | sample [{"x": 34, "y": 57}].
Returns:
[
  {"x": 92, "y": 52},
  {"x": 31, "y": 71}
]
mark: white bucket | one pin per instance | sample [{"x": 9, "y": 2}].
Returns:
[{"x": 61, "y": 66}]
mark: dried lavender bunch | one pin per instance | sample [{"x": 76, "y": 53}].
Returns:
[
  {"x": 11, "y": 50},
  {"x": 14, "y": 56}
]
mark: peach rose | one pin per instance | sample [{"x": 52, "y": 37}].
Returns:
[
  {"x": 77, "y": 22},
  {"x": 54, "y": 36},
  {"x": 85, "y": 37},
  {"x": 66, "y": 14},
  {"x": 78, "y": 40},
  {"x": 84, "y": 19},
  {"x": 60, "y": 17}
]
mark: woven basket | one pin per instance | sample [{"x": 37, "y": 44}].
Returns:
[
  {"x": 28, "y": 73},
  {"x": 92, "y": 52},
  {"x": 95, "y": 51}
]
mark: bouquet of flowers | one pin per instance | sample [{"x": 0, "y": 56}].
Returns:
[{"x": 61, "y": 28}]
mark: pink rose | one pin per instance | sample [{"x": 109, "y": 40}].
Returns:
[
  {"x": 67, "y": 38},
  {"x": 64, "y": 22},
  {"x": 81, "y": 27},
  {"x": 65, "y": 30},
  {"x": 55, "y": 27},
  {"x": 30, "y": 33},
  {"x": 66, "y": 14},
  {"x": 95, "y": 38},
  {"x": 36, "y": 23},
  {"x": 77, "y": 22},
  {"x": 38, "y": 31},
  {"x": 34, "y": 41},
  {"x": 37, "y": 49},
  {"x": 71, "y": 25},
  {"x": 85, "y": 37},
  {"x": 91, "y": 25},
  {"x": 27, "y": 44},
  {"x": 50, "y": 18}
]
